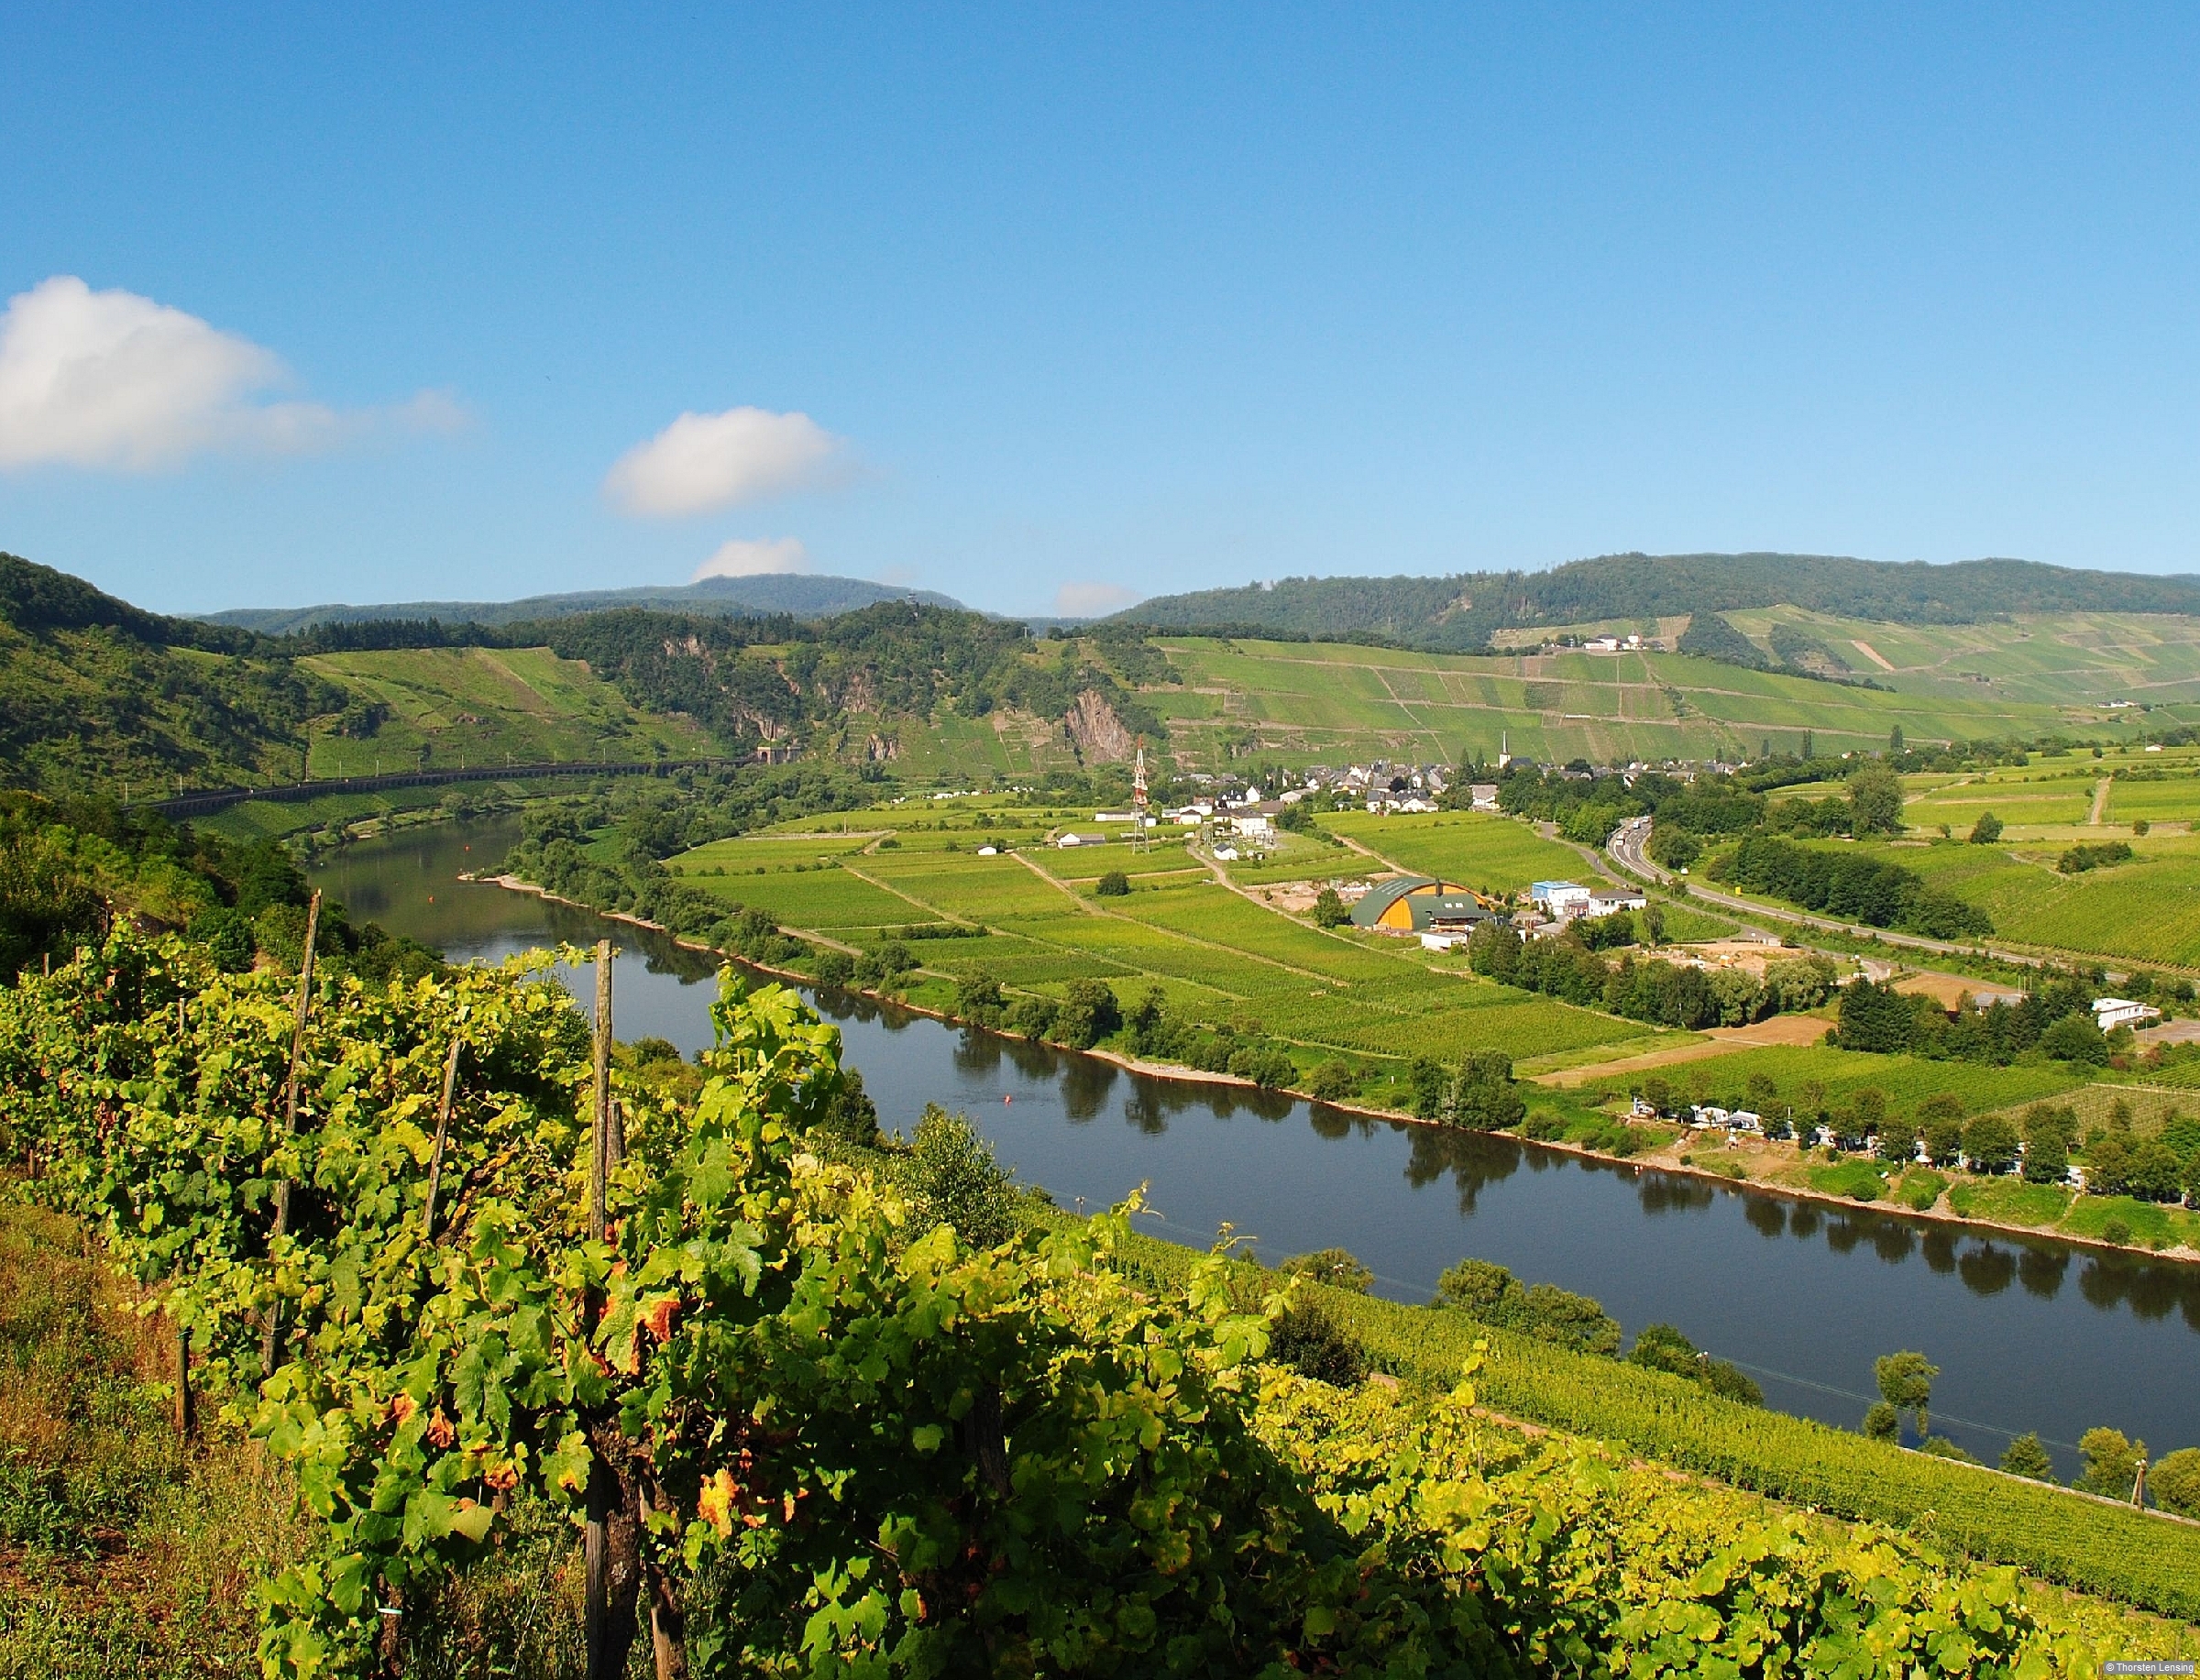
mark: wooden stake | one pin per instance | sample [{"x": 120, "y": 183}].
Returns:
[
  {"x": 185, "y": 1422},
  {"x": 596, "y": 1551},
  {"x": 600, "y": 1129},
  {"x": 290, "y": 1113},
  {"x": 443, "y": 1132}
]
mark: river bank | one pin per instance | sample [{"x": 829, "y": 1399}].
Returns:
[{"x": 1666, "y": 1157}]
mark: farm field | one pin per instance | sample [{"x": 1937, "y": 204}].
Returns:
[
  {"x": 1476, "y": 849},
  {"x": 1219, "y": 956},
  {"x": 2144, "y": 911},
  {"x": 1904, "y": 1080},
  {"x": 467, "y": 708},
  {"x": 1331, "y": 703}
]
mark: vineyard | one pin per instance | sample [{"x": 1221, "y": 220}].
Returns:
[{"x": 483, "y": 1296}]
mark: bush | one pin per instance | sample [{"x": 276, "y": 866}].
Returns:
[
  {"x": 2111, "y": 1462},
  {"x": 1334, "y": 1081},
  {"x": 1311, "y": 1343},
  {"x": 1882, "y": 1422},
  {"x": 2176, "y": 1482},
  {"x": 1329, "y": 909},
  {"x": 1033, "y": 1016},
  {"x": 835, "y": 968},
  {"x": 1089, "y": 1013},
  {"x": 1492, "y": 1294},
  {"x": 1113, "y": 884},
  {"x": 1987, "y": 830},
  {"x": 1990, "y": 1143}
]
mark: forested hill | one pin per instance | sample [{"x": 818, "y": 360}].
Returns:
[
  {"x": 799, "y": 594},
  {"x": 1464, "y": 610},
  {"x": 97, "y": 695}
]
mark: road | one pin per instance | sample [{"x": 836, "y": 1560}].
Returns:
[{"x": 1630, "y": 849}]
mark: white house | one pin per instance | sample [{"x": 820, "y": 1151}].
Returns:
[
  {"x": 989, "y": 851},
  {"x": 2110, "y": 1012},
  {"x": 1612, "y": 899},
  {"x": 1081, "y": 839},
  {"x": 1483, "y": 794},
  {"x": 1252, "y": 825},
  {"x": 1560, "y": 898}
]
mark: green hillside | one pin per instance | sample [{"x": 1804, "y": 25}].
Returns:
[
  {"x": 1465, "y": 611},
  {"x": 1332, "y": 701}
]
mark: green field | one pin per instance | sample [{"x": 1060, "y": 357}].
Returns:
[
  {"x": 2144, "y": 911},
  {"x": 1220, "y": 955},
  {"x": 1332, "y": 703},
  {"x": 1904, "y": 1080},
  {"x": 1498, "y": 854},
  {"x": 465, "y": 707}
]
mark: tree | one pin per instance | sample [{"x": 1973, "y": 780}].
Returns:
[
  {"x": 1990, "y": 1142},
  {"x": 1882, "y": 1422},
  {"x": 1089, "y": 1013},
  {"x": 1987, "y": 830},
  {"x": 954, "y": 1179},
  {"x": 1329, "y": 909},
  {"x": 2175, "y": 1482},
  {"x": 1894, "y": 741},
  {"x": 1113, "y": 884},
  {"x": 978, "y": 998},
  {"x": 1875, "y": 1016},
  {"x": 1905, "y": 1382},
  {"x": 2075, "y": 1039},
  {"x": 1334, "y": 1081},
  {"x": 2111, "y": 1462},
  {"x": 1875, "y": 801},
  {"x": 2048, "y": 1135},
  {"x": 2026, "y": 1457},
  {"x": 1654, "y": 925}
]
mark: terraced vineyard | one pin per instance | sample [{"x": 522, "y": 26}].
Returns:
[{"x": 1333, "y": 702}]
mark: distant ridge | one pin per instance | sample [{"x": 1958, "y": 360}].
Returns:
[
  {"x": 1462, "y": 611},
  {"x": 799, "y": 594}
]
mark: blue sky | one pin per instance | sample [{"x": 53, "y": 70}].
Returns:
[{"x": 1107, "y": 300}]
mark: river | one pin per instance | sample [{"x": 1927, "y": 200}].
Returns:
[{"x": 2029, "y": 1333}]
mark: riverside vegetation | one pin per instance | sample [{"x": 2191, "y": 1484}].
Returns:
[{"x": 830, "y": 1434}]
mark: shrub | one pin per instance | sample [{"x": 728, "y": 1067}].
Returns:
[
  {"x": 1334, "y": 1081},
  {"x": 1882, "y": 1422},
  {"x": 835, "y": 968},
  {"x": 1114, "y": 885},
  {"x": 1329, "y": 909},
  {"x": 1311, "y": 1343},
  {"x": 1987, "y": 830},
  {"x": 1990, "y": 1142},
  {"x": 1089, "y": 1013},
  {"x": 1033, "y": 1016},
  {"x": 2176, "y": 1482}
]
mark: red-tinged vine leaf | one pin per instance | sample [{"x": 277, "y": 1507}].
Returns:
[{"x": 715, "y": 1506}]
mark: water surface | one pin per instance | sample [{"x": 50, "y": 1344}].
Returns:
[{"x": 2029, "y": 1333}]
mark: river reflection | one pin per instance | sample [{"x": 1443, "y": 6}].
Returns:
[{"x": 1803, "y": 1294}]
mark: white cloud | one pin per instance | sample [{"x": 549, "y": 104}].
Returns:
[
  {"x": 1093, "y": 600},
  {"x": 741, "y": 558},
  {"x": 112, "y": 380},
  {"x": 701, "y": 462}
]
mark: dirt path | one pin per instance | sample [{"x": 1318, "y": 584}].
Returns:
[{"x": 2100, "y": 802}]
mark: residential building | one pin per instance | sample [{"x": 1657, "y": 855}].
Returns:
[
  {"x": 2110, "y": 1012},
  {"x": 1560, "y": 899}
]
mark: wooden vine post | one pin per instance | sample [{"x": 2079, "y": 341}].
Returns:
[
  {"x": 290, "y": 1113},
  {"x": 606, "y": 1652},
  {"x": 443, "y": 1133}
]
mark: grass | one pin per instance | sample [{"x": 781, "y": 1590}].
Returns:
[
  {"x": 1906, "y": 1081},
  {"x": 1858, "y": 1181},
  {"x": 2010, "y": 1200}
]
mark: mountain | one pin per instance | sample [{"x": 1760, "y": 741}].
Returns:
[
  {"x": 1462, "y": 611},
  {"x": 799, "y": 594}
]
